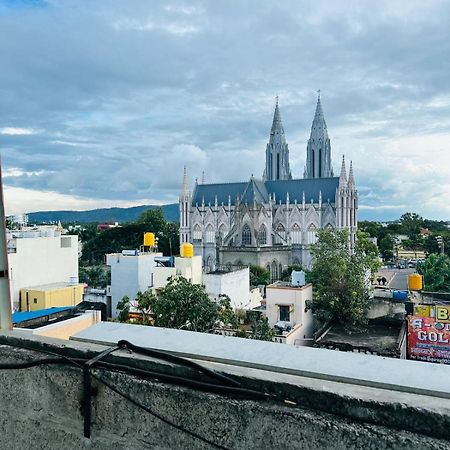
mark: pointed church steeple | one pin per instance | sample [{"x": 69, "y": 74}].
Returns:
[
  {"x": 277, "y": 151},
  {"x": 185, "y": 186},
  {"x": 185, "y": 209},
  {"x": 318, "y": 152},
  {"x": 343, "y": 174},
  {"x": 351, "y": 178}
]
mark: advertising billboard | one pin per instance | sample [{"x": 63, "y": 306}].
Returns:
[{"x": 428, "y": 339}]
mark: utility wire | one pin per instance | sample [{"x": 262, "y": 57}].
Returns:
[
  {"x": 223, "y": 387},
  {"x": 158, "y": 416}
]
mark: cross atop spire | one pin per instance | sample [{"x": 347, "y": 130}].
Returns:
[
  {"x": 343, "y": 175},
  {"x": 277, "y": 126},
  {"x": 319, "y": 119}
]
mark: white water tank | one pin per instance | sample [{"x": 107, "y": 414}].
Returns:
[{"x": 298, "y": 278}]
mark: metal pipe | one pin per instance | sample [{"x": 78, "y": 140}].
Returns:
[{"x": 5, "y": 293}]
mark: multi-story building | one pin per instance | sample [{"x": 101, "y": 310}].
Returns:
[
  {"x": 271, "y": 222},
  {"x": 40, "y": 256}
]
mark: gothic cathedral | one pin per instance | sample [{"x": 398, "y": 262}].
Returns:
[{"x": 271, "y": 222}]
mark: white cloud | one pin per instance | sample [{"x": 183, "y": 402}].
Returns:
[
  {"x": 176, "y": 28},
  {"x": 15, "y": 131},
  {"x": 20, "y": 200},
  {"x": 12, "y": 172}
]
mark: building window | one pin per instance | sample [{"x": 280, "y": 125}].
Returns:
[
  {"x": 66, "y": 242},
  {"x": 311, "y": 234},
  {"x": 262, "y": 235},
  {"x": 274, "y": 271},
  {"x": 246, "y": 235},
  {"x": 296, "y": 234},
  {"x": 280, "y": 234},
  {"x": 285, "y": 313},
  {"x": 35, "y": 300},
  {"x": 210, "y": 235},
  {"x": 197, "y": 234}
]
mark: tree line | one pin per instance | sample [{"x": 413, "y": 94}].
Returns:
[{"x": 421, "y": 234}]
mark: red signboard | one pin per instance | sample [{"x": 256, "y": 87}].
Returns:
[{"x": 428, "y": 340}]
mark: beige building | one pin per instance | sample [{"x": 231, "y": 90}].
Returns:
[
  {"x": 286, "y": 312},
  {"x": 50, "y": 295},
  {"x": 38, "y": 256}
]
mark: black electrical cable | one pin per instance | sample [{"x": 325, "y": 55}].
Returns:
[
  {"x": 223, "y": 388},
  {"x": 184, "y": 381},
  {"x": 177, "y": 360},
  {"x": 158, "y": 416},
  {"x": 155, "y": 376}
]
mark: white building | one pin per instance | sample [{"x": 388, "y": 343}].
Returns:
[
  {"x": 39, "y": 256},
  {"x": 286, "y": 311},
  {"x": 131, "y": 272},
  {"x": 235, "y": 284},
  {"x": 189, "y": 268}
]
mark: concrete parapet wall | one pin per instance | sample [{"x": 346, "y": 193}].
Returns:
[{"x": 41, "y": 408}]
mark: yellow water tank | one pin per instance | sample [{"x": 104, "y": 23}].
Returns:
[
  {"x": 415, "y": 282},
  {"x": 149, "y": 239},
  {"x": 187, "y": 250}
]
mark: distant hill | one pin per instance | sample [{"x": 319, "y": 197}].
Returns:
[{"x": 102, "y": 215}]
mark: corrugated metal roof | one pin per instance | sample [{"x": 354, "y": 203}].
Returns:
[
  {"x": 23, "y": 316},
  {"x": 261, "y": 190}
]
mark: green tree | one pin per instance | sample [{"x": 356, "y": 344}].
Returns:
[
  {"x": 259, "y": 275},
  {"x": 386, "y": 247},
  {"x": 341, "y": 278},
  {"x": 123, "y": 306},
  {"x": 95, "y": 276},
  {"x": 436, "y": 273},
  {"x": 184, "y": 305},
  {"x": 130, "y": 236},
  {"x": 259, "y": 326},
  {"x": 227, "y": 316},
  {"x": 411, "y": 224}
]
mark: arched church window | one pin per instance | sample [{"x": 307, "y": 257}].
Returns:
[
  {"x": 222, "y": 232},
  {"x": 210, "y": 235},
  {"x": 311, "y": 235},
  {"x": 274, "y": 271},
  {"x": 296, "y": 234},
  {"x": 280, "y": 234},
  {"x": 210, "y": 263},
  {"x": 197, "y": 234},
  {"x": 262, "y": 235},
  {"x": 246, "y": 235}
]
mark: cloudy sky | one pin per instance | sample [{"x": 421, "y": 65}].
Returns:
[{"x": 103, "y": 102}]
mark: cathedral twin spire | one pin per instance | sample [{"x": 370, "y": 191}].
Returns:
[
  {"x": 318, "y": 151},
  {"x": 318, "y": 159},
  {"x": 277, "y": 151}
]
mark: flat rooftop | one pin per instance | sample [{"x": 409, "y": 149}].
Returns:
[
  {"x": 52, "y": 286},
  {"x": 379, "y": 336},
  {"x": 287, "y": 285},
  {"x": 354, "y": 368}
]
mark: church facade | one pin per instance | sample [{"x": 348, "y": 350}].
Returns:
[{"x": 271, "y": 222}]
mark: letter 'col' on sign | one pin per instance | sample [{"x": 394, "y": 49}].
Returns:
[{"x": 443, "y": 314}]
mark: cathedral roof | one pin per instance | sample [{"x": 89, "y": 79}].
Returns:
[
  {"x": 260, "y": 190},
  {"x": 310, "y": 186},
  {"x": 255, "y": 191}
]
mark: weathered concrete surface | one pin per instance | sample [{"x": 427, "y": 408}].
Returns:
[{"x": 40, "y": 408}]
